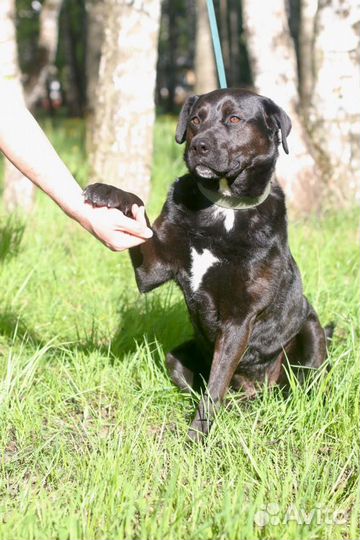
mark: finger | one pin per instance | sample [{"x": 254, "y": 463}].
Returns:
[
  {"x": 124, "y": 241},
  {"x": 131, "y": 226},
  {"x": 120, "y": 222},
  {"x": 114, "y": 220}
]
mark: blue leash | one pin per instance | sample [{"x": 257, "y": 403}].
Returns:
[{"x": 216, "y": 43}]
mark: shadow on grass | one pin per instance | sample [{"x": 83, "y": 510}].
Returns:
[
  {"x": 13, "y": 327},
  {"x": 11, "y": 234},
  {"x": 154, "y": 318}
]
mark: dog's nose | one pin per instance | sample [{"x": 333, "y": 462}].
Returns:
[{"x": 200, "y": 146}]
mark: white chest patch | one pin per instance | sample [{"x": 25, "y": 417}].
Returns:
[
  {"x": 200, "y": 264},
  {"x": 227, "y": 214}
]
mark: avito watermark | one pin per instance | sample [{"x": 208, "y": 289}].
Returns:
[{"x": 272, "y": 514}]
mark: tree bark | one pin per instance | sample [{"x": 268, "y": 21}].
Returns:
[
  {"x": 308, "y": 9},
  {"x": 234, "y": 42},
  {"x": 18, "y": 190},
  {"x": 125, "y": 109},
  {"x": 35, "y": 87},
  {"x": 335, "y": 104},
  {"x": 172, "y": 55},
  {"x": 95, "y": 20},
  {"x": 274, "y": 69},
  {"x": 205, "y": 70},
  {"x": 225, "y": 35}
]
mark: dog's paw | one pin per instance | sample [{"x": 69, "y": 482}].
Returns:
[
  {"x": 112, "y": 197},
  {"x": 199, "y": 429},
  {"x": 196, "y": 436}
]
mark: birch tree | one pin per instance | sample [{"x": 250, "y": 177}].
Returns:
[
  {"x": 125, "y": 109},
  {"x": 273, "y": 63},
  {"x": 205, "y": 70},
  {"x": 18, "y": 190},
  {"x": 335, "y": 104},
  {"x": 308, "y": 10},
  {"x": 95, "y": 14}
]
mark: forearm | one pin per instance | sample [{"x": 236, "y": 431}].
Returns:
[{"x": 27, "y": 147}]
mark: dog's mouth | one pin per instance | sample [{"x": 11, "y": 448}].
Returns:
[
  {"x": 205, "y": 172},
  {"x": 208, "y": 173}
]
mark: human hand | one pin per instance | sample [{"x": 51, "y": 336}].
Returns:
[{"x": 114, "y": 229}]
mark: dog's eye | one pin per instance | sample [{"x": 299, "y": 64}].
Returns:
[
  {"x": 234, "y": 119},
  {"x": 195, "y": 120}
]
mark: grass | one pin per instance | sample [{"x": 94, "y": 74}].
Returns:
[{"x": 93, "y": 434}]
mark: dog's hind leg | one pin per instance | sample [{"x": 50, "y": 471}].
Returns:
[
  {"x": 308, "y": 348},
  {"x": 186, "y": 367}
]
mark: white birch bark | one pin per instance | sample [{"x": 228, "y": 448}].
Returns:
[
  {"x": 125, "y": 109},
  {"x": 335, "y": 105},
  {"x": 273, "y": 63},
  {"x": 308, "y": 12},
  {"x": 18, "y": 190},
  {"x": 205, "y": 69}
]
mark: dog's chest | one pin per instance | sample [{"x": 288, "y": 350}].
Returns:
[
  {"x": 203, "y": 260},
  {"x": 226, "y": 215},
  {"x": 200, "y": 263}
]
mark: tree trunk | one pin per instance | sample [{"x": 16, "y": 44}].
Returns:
[
  {"x": 18, "y": 190},
  {"x": 95, "y": 19},
  {"x": 172, "y": 55},
  {"x": 35, "y": 87},
  {"x": 75, "y": 91},
  {"x": 205, "y": 70},
  {"x": 234, "y": 43},
  {"x": 308, "y": 11},
  {"x": 335, "y": 106},
  {"x": 275, "y": 75},
  {"x": 125, "y": 110},
  {"x": 224, "y": 28}
]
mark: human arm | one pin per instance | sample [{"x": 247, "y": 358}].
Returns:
[{"x": 25, "y": 144}]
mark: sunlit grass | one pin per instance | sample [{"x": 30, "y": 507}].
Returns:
[{"x": 93, "y": 434}]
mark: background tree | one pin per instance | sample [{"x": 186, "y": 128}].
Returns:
[
  {"x": 205, "y": 69},
  {"x": 125, "y": 108},
  {"x": 95, "y": 15},
  {"x": 274, "y": 67},
  {"x": 334, "y": 116},
  {"x": 229, "y": 15},
  {"x": 306, "y": 37},
  {"x": 73, "y": 50},
  {"x": 18, "y": 190},
  {"x": 36, "y": 84}
]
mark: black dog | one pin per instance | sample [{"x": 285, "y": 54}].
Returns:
[{"x": 222, "y": 236}]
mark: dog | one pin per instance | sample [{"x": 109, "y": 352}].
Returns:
[{"x": 222, "y": 237}]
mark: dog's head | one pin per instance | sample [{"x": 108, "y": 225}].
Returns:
[{"x": 232, "y": 134}]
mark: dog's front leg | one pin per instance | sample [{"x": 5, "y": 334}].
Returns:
[
  {"x": 229, "y": 350},
  {"x": 151, "y": 267},
  {"x": 151, "y": 260}
]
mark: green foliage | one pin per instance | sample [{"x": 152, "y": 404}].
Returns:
[{"x": 93, "y": 434}]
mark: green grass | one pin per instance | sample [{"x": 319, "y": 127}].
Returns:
[{"x": 93, "y": 434}]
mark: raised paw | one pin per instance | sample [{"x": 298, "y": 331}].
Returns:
[{"x": 105, "y": 195}]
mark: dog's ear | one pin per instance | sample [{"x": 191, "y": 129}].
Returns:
[
  {"x": 281, "y": 119},
  {"x": 184, "y": 117}
]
